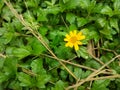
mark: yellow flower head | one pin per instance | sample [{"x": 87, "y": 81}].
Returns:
[{"x": 73, "y": 39}]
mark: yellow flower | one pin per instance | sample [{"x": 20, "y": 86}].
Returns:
[{"x": 73, "y": 39}]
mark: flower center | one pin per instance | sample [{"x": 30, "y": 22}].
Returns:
[{"x": 73, "y": 39}]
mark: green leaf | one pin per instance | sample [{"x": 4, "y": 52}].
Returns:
[
  {"x": 20, "y": 52},
  {"x": 9, "y": 69},
  {"x": 1, "y": 5},
  {"x": 42, "y": 80},
  {"x": 81, "y": 21},
  {"x": 37, "y": 66},
  {"x": 116, "y": 5},
  {"x": 43, "y": 30},
  {"x": 98, "y": 7},
  {"x": 78, "y": 72},
  {"x": 7, "y": 37},
  {"x": 106, "y": 33},
  {"x": 51, "y": 62},
  {"x": 53, "y": 2},
  {"x": 70, "y": 18},
  {"x": 17, "y": 24},
  {"x": 100, "y": 85},
  {"x": 114, "y": 24},
  {"x": 91, "y": 6},
  {"x": 59, "y": 85},
  {"x": 41, "y": 15},
  {"x": 84, "y": 3},
  {"x": 25, "y": 80},
  {"x": 6, "y": 14},
  {"x": 107, "y": 11},
  {"x": 81, "y": 88},
  {"x": 71, "y": 4},
  {"x": 10, "y": 65},
  {"x": 3, "y": 77},
  {"x": 53, "y": 10},
  {"x": 73, "y": 27},
  {"x": 86, "y": 74},
  {"x": 37, "y": 47},
  {"x": 48, "y": 3},
  {"x": 82, "y": 52},
  {"x": 61, "y": 52},
  {"x": 63, "y": 74},
  {"x": 101, "y": 21},
  {"x": 65, "y": 1},
  {"x": 1, "y": 62},
  {"x": 93, "y": 64},
  {"x": 15, "y": 85}
]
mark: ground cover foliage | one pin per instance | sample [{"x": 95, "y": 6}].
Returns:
[{"x": 33, "y": 55}]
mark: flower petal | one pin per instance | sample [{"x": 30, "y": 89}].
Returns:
[
  {"x": 66, "y": 39},
  {"x": 79, "y": 34},
  {"x": 76, "y": 47},
  {"x": 81, "y": 37},
  {"x": 79, "y": 43},
  {"x": 69, "y": 44},
  {"x": 75, "y": 32},
  {"x": 71, "y": 33},
  {"x": 67, "y": 36}
]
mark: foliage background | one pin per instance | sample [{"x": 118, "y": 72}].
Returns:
[{"x": 32, "y": 48}]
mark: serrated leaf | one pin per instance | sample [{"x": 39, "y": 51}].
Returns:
[
  {"x": 25, "y": 80},
  {"x": 10, "y": 66},
  {"x": 90, "y": 33},
  {"x": 52, "y": 10},
  {"x": 86, "y": 74},
  {"x": 6, "y": 14},
  {"x": 114, "y": 23},
  {"x": 82, "y": 52},
  {"x": 100, "y": 85},
  {"x": 92, "y": 6},
  {"x": 1, "y": 62},
  {"x": 65, "y": 1},
  {"x": 59, "y": 85},
  {"x": 107, "y": 11},
  {"x": 101, "y": 21},
  {"x": 63, "y": 74},
  {"x": 73, "y": 27},
  {"x": 53, "y": 2},
  {"x": 71, "y": 4},
  {"x": 70, "y": 18},
  {"x": 20, "y": 52},
  {"x": 1, "y": 4},
  {"x": 107, "y": 33},
  {"x": 42, "y": 80},
  {"x": 3, "y": 77},
  {"x": 98, "y": 8},
  {"x": 7, "y": 37},
  {"x": 41, "y": 15},
  {"x": 51, "y": 62},
  {"x": 78, "y": 72},
  {"x": 84, "y": 3},
  {"x": 93, "y": 64},
  {"x": 116, "y": 5},
  {"x": 81, "y": 21},
  {"x": 37, "y": 47},
  {"x": 49, "y": 3},
  {"x": 37, "y": 66},
  {"x": 61, "y": 52}
]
